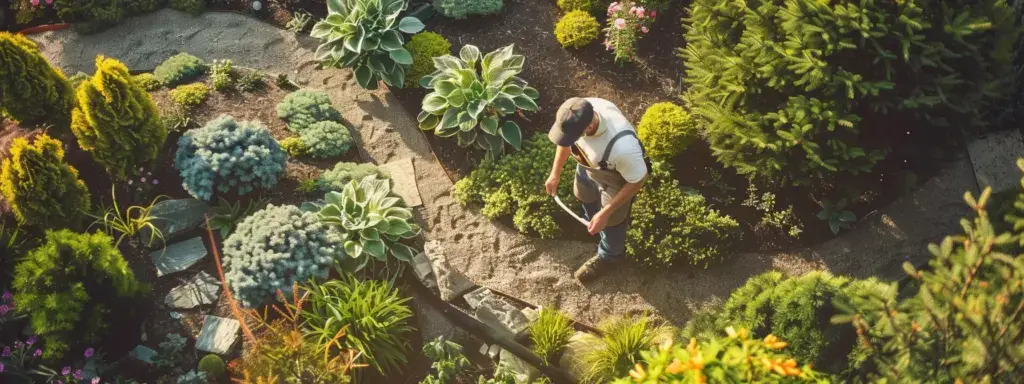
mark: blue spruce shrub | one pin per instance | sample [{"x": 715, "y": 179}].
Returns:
[
  {"x": 227, "y": 156},
  {"x": 326, "y": 139},
  {"x": 275, "y": 248},
  {"x": 179, "y": 69},
  {"x": 303, "y": 108}
]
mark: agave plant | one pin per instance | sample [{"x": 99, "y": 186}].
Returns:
[
  {"x": 364, "y": 35},
  {"x": 374, "y": 221},
  {"x": 469, "y": 92}
]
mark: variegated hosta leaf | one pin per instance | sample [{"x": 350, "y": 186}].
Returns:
[{"x": 363, "y": 35}]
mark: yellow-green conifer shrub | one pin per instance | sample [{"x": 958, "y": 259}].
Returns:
[
  {"x": 666, "y": 130},
  {"x": 32, "y": 90},
  {"x": 40, "y": 187},
  {"x": 577, "y": 29},
  {"x": 116, "y": 120}
]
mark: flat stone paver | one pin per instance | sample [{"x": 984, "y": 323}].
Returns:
[
  {"x": 201, "y": 289},
  {"x": 218, "y": 335},
  {"x": 175, "y": 217},
  {"x": 179, "y": 256},
  {"x": 994, "y": 158},
  {"x": 403, "y": 178}
]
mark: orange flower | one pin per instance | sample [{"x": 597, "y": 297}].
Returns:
[
  {"x": 692, "y": 347},
  {"x": 773, "y": 342},
  {"x": 733, "y": 333},
  {"x": 783, "y": 368},
  {"x": 638, "y": 374},
  {"x": 676, "y": 367}
]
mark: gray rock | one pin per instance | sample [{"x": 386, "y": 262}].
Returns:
[
  {"x": 503, "y": 316},
  {"x": 143, "y": 353},
  {"x": 202, "y": 289},
  {"x": 175, "y": 217},
  {"x": 483, "y": 349},
  {"x": 218, "y": 335},
  {"x": 421, "y": 267},
  {"x": 403, "y": 179},
  {"x": 524, "y": 372},
  {"x": 493, "y": 351},
  {"x": 532, "y": 314},
  {"x": 434, "y": 324},
  {"x": 994, "y": 158},
  {"x": 572, "y": 355},
  {"x": 474, "y": 298},
  {"x": 178, "y": 256},
  {"x": 450, "y": 282}
]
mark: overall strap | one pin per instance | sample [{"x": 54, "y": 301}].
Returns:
[{"x": 603, "y": 164}]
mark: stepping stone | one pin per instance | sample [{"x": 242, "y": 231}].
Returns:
[
  {"x": 174, "y": 217},
  {"x": 179, "y": 256},
  {"x": 403, "y": 176},
  {"x": 202, "y": 289},
  {"x": 450, "y": 282},
  {"x": 218, "y": 335},
  {"x": 994, "y": 158},
  {"x": 143, "y": 353}
]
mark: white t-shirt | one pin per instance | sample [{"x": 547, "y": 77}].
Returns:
[{"x": 627, "y": 156}]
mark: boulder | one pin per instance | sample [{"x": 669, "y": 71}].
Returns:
[{"x": 450, "y": 282}]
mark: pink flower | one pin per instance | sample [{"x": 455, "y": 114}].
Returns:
[
  {"x": 1, "y": 367},
  {"x": 644, "y": 29},
  {"x": 7, "y": 296},
  {"x": 89, "y": 352},
  {"x": 95, "y": 380},
  {"x": 35, "y": 3},
  {"x": 37, "y": 353},
  {"x": 143, "y": 179},
  {"x": 632, "y": 10},
  {"x": 78, "y": 374},
  {"x": 654, "y": 14},
  {"x": 620, "y": 23},
  {"x": 49, "y": 1},
  {"x": 66, "y": 371},
  {"x": 31, "y": 340},
  {"x": 640, "y": 12}
]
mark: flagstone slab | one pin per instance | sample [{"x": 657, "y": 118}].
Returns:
[
  {"x": 218, "y": 336},
  {"x": 175, "y": 217},
  {"x": 202, "y": 289},
  {"x": 178, "y": 257},
  {"x": 994, "y": 158},
  {"x": 403, "y": 180}
]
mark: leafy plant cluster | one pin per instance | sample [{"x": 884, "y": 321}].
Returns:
[
  {"x": 321, "y": 133},
  {"x": 189, "y": 96},
  {"x": 336, "y": 178},
  {"x": 72, "y": 287},
  {"x": 619, "y": 348},
  {"x": 424, "y": 47},
  {"x": 672, "y": 226},
  {"x": 366, "y": 36},
  {"x": 32, "y": 90},
  {"x": 274, "y": 248},
  {"x": 811, "y": 90},
  {"x": 576, "y": 29},
  {"x": 461, "y": 9},
  {"x": 224, "y": 76},
  {"x": 179, "y": 69},
  {"x": 40, "y": 187},
  {"x": 305, "y": 107},
  {"x": 666, "y": 130},
  {"x": 372, "y": 221},
  {"x": 589, "y": 6},
  {"x": 464, "y": 97},
  {"x": 447, "y": 361},
  {"x": 512, "y": 184},
  {"x": 836, "y": 215},
  {"x": 228, "y": 157},
  {"x": 779, "y": 222},
  {"x": 226, "y": 215},
  {"x": 627, "y": 23},
  {"x": 96, "y": 15},
  {"x": 116, "y": 120},
  {"x": 130, "y": 222}
]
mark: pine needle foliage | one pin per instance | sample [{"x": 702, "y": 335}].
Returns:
[
  {"x": 550, "y": 333},
  {"x": 806, "y": 89},
  {"x": 40, "y": 187},
  {"x": 116, "y": 120},
  {"x": 70, "y": 285},
  {"x": 32, "y": 90}
]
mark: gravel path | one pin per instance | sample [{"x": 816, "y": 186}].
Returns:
[{"x": 539, "y": 271}]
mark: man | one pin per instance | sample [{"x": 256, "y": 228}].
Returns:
[{"x": 611, "y": 171}]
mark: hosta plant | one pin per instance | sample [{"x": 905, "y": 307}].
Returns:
[
  {"x": 366, "y": 36},
  {"x": 374, "y": 221},
  {"x": 470, "y": 92}
]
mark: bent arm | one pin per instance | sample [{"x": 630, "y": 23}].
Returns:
[{"x": 561, "y": 156}]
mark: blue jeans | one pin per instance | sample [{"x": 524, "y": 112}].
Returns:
[{"x": 613, "y": 239}]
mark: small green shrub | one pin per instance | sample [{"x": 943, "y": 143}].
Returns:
[
  {"x": 460, "y": 9},
  {"x": 116, "y": 121},
  {"x": 512, "y": 184},
  {"x": 778, "y": 222},
  {"x": 303, "y": 108},
  {"x": 672, "y": 226},
  {"x": 32, "y": 89},
  {"x": 618, "y": 350},
  {"x": 69, "y": 287},
  {"x": 295, "y": 147},
  {"x": 251, "y": 82},
  {"x": 327, "y": 139},
  {"x": 179, "y": 69},
  {"x": 213, "y": 366},
  {"x": 447, "y": 361},
  {"x": 147, "y": 81},
  {"x": 336, "y": 178},
  {"x": 229, "y": 157},
  {"x": 550, "y": 333},
  {"x": 666, "y": 130},
  {"x": 40, "y": 187},
  {"x": 576, "y": 29},
  {"x": 370, "y": 313},
  {"x": 275, "y": 248},
  {"x": 194, "y": 7},
  {"x": 190, "y": 95},
  {"x": 589, "y": 6},
  {"x": 223, "y": 75},
  {"x": 424, "y": 47}
]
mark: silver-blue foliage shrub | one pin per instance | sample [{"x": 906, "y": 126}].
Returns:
[
  {"x": 275, "y": 248},
  {"x": 303, "y": 108},
  {"x": 327, "y": 139},
  {"x": 228, "y": 156}
]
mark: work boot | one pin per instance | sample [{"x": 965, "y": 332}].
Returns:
[{"x": 593, "y": 268}]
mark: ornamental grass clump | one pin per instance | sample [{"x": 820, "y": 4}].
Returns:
[
  {"x": 619, "y": 349},
  {"x": 116, "y": 120},
  {"x": 666, "y": 130},
  {"x": 366, "y": 36},
  {"x": 371, "y": 314},
  {"x": 508, "y": 186},
  {"x": 72, "y": 287},
  {"x": 813, "y": 90},
  {"x": 424, "y": 47},
  {"x": 305, "y": 107},
  {"x": 40, "y": 187},
  {"x": 470, "y": 92},
  {"x": 275, "y": 248},
  {"x": 226, "y": 156},
  {"x": 32, "y": 90},
  {"x": 627, "y": 23},
  {"x": 576, "y": 29},
  {"x": 672, "y": 226},
  {"x": 550, "y": 333},
  {"x": 179, "y": 69}
]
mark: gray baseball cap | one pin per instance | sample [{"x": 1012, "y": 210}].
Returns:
[{"x": 572, "y": 118}]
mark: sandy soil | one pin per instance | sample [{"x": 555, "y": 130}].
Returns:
[{"x": 491, "y": 254}]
